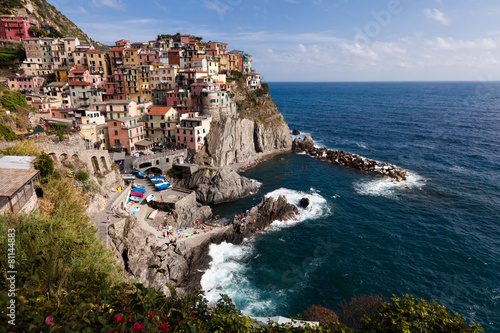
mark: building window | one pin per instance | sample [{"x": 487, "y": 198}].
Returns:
[{"x": 116, "y": 132}]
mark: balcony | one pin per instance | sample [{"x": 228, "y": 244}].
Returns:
[{"x": 130, "y": 126}]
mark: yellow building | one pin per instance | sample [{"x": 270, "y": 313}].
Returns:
[
  {"x": 161, "y": 124},
  {"x": 130, "y": 57},
  {"x": 97, "y": 63},
  {"x": 62, "y": 73}
]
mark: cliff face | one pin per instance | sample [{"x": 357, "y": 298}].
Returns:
[
  {"x": 216, "y": 186},
  {"x": 255, "y": 127}
]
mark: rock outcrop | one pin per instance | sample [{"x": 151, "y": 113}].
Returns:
[
  {"x": 181, "y": 267},
  {"x": 216, "y": 186},
  {"x": 349, "y": 160},
  {"x": 257, "y": 219}
]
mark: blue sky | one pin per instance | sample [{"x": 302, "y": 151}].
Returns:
[{"x": 319, "y": 40}]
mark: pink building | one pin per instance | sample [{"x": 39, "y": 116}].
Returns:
[
  {"x": 16, "y": 27},
  {"x": 77, "y": 74},
  {"x": 148, "y": 56},
  {"x": 191, "y": 132},
  {"x": 126, "y": 134},
  {"x": 26, "y": 82}
]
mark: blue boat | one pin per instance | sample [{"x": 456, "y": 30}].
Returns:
[
  {"x": 159, "y": 181},
  {"x": 136, "y": 199},
  {"x": 140, "y": 190},
  {"x": 135, "y": 185},
  {"x": 163, "y": 187},
  {"x": 152, "y": 177},
  {"x": 141, "y": 175}
]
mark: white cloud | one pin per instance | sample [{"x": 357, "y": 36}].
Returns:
[
  {"x": 115, "y": 4},
  {"x": 436, "y": 15}
]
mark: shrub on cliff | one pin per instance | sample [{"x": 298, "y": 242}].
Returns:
[
  {"x": 12, "y": 98},
  {"x": 321, "y": 314},
  {"x": 409, "y": 314},
  {"x": 351, "y": 312},
  {"x": 7, "y": 133}
]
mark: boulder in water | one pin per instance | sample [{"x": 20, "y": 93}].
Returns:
[
  {"x": 304, "y": 202},
  {"x": 295, "y": 132}
]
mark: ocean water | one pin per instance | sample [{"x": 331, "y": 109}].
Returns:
[{"x": 436, "y": 235}]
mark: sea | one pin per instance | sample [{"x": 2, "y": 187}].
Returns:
[{"x": 435, "y": 235}]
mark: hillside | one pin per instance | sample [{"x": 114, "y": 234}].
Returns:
[{"x": 51, "y": 20}]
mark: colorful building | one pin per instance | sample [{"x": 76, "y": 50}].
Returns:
[
  {"x": 161, "y": 124},
  {"x": 126, "y": 134},
  {"x": 191, "y": 132},
  {"x": 17, "y": 27}
]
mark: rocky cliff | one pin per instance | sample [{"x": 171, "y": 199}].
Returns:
[
  {"x": 178, "y": 269},
  {"x": 254, "y": 126},
  {"x": 216, "y": 186}
]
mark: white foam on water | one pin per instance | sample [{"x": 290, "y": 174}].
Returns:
[
  {"x": 256, "y": 182},
  {"x": 226, "y": 275},
  {"x": 318, "y": 207},
  {"x": 228, "y": 270},
  {"x": 385, "y": 187}
]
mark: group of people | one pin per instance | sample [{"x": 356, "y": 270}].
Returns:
[{"x": 240, "y": 220}]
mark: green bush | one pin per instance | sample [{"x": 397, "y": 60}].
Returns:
[
  {"x": 7, "y": 133},
  {"x": 11, "y": 98},
  {"x": 81, "y": 176},
  {"x": 45, "y": 164},
  {"x": 409, "y": 314}
]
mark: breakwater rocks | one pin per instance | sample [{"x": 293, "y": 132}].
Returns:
[{"x": 349, "y": 160}]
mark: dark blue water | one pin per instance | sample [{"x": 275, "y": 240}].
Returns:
[{"x": 436, "y": 236}]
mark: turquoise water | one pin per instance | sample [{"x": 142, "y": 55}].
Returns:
[{"x": 438, "y": 239}]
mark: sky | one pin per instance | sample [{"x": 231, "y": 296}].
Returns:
[{"x": 319, "y": 40}]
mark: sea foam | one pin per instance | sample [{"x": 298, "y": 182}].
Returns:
[
  {"x": 228, "y": 269},
  {"x": 385, "y": 187}
]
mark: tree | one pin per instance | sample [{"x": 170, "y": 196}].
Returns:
[
  {"x": 350, "y": 313},
  {"x": 45, "y": 164}
]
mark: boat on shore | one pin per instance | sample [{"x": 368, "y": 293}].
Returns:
[
  {"x": 153, "y": 214},
  {"x": 150, "y": 197},
  {"x": 135, "y": 185},
  {"x": 134, "y": 198}
]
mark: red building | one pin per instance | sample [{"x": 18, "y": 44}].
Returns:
[{"x": 16, "y": 27}]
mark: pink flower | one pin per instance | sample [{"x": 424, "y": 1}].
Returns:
[
  {"x": 118, "y": 318},
  {"x": 137, "y": 327},
  {"x": 151, "y": 314},
  {"x": 49, "y": 320},
  {"x": 163, "y": 328}
]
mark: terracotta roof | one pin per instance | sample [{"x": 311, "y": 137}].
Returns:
[
  {"x": 75, "y": 70},
  {"x": 80, "y": 83},
  {"x": 17, "y": 179},
  {"x": 116, "y": 49},
  {"x": 95, "y": 51},
  {"x": 159, "y": 110}
]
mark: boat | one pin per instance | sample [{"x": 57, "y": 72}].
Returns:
[
  {"x": 162, "y": 187},
  {"x": 162, "y": 184},
  {"x": 150, "y": 197},
  {"x": 159, "y": 181},
  {"x": 153, "y": 214},
  {"x": 135, "y": 185},
  {"x": 141, "y": 190},
  {"x": 135, "y": 171},
  {"x": 136, "y": 199},
  {"x": 137, "y": 194},
  {"x": 151, "y": 177},
  {"x": 141, "y": 175},
  {"x": 128, "y": 176}
]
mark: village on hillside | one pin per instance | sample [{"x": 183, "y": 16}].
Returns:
[{"x": 135, "y": 97}]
